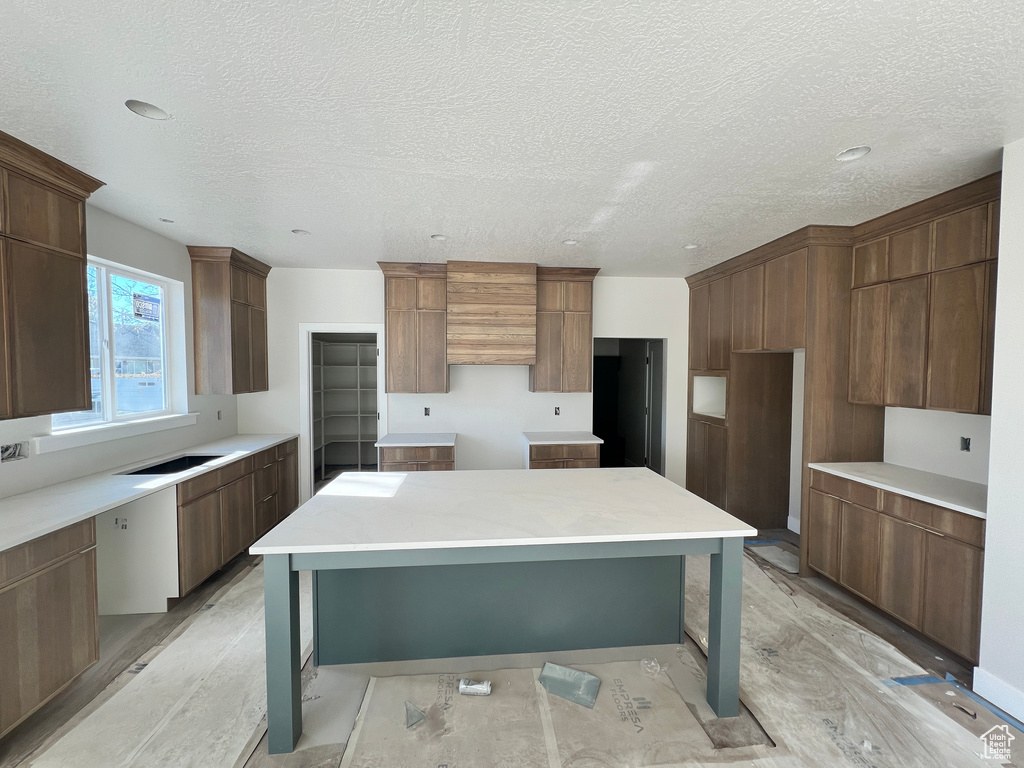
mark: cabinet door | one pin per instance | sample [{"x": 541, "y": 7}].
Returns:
[
  {"x": 823, "y": 524},
  {"x": 237, "y": 529},
  {"x": 715, "y": 465},
  {"x": 901, "y": 552},
  {"x": 867, "y": 343},
  {"x": 952, "y": 594},
  {"x": 42, "y": 215},
  {"x": 239, "y": 280},
  {"x": 699, "y": 327},
  {"x": 241, "y": 357},
  {"x": 49, "y": 633},
  {"x": 785, "y": 303},
  {"x": 696, "y": 456},
  {"x": 720, "y": 324},
  {"x": 871, "y": 263},
  {"x": 431, "y": 293},
  {"x": 910, "y": 252},
  {"x": 990, "y": 328},
  {"x": 547, "y": 372},
  {"x": 199, "y": 549},
  {"x": 5, "y": 390},
  {"x": 956, "y": 331},
  {"x": 258, "y": 349},
  {"x": 907, "y": 343},
  {"x": 48, "y": 342},
  {"x": 748, "y": 309},
  {"x": 961, "y": 238},
  {"x": 401, "y": 348},
  {"x": 287, "y": 485},
  {"x": 858, "y": 550},
  {"x": 432, "y": 356},
  {"x": 577, "y": 351}
]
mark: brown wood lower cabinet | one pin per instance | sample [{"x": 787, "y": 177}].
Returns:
[
  {"x": 565, "y": 456},
  {"x": 236, "y": 518},
  {"x": 199, "y": 535},
  {"x": 706, "y": 452},
  {"x": 48, "y": 619},
  {"x": 918, "y": 562},
  {"x": 418, "y": 458}
]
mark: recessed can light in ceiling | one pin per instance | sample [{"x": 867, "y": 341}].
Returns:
[
  {"x": 166, "y": 221},
  {"x": 690, "y": 246},
  {"x": 300, "y": 232},
  {"x": 853, "y": 153},
  {"x": 143, "y": 109},
  {"x": 570, "y": 242},
  {"x": 438, "y": 237}
]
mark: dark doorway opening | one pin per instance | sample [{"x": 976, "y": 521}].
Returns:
[{"x": 629, "y": 402}]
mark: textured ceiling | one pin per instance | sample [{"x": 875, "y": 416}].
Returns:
[{"x": 635, "y": 128}]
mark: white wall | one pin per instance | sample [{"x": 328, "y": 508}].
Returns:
[
  {"x": 489, "y": 406},
  {"x": 114, "y": 239},
  {"x": 1000, "y": 675},
  {"x": 930, "y": 441}
]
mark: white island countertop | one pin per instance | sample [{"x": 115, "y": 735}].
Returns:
[
  {"x": 941, "y": 490},
  {"x": 417, "y": 440},
  {"x": 561, "y": 438},
  {"x": 29, "y": 515},
  {"x": 388, "y": 511}
]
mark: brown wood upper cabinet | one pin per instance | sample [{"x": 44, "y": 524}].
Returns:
[
  {"x": 922, "y": 337},
  {"x": 711, "y": 325},
  {"x": 44, "y": 341},
  {"x": 229, "y": 311},
  {"x": 415, "y": 327},
  {"x": 785, "y": 301},
  {"x": 769, "y": 304},
  {"x": 565, "y": 343}
]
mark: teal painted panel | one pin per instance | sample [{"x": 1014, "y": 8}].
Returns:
[{"x": 390, "y": 614}]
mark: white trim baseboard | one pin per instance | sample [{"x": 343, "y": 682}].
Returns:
[{"x": 999, "y": 692}]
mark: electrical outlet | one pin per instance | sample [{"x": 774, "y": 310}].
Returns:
[
  {"x": 426, "y": 410},
  {"x": 965, "y": 444},
  {"x": 14, "y": 451},
  {"x": 558, "y": 411}
]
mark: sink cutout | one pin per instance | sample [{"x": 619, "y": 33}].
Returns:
[{"x": 173, "y": 466}]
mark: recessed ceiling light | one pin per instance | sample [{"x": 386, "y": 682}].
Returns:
[
  {"x": 570, "y": 242},
  {"x": 690, "y": 246},
  {"x": 438, "y": 237},
  {"x": 853, "y": 153},
  {"x": 166, "y": 221},
  {"x": 300, "y": 232},
  {"x": 142, "y": 109}
]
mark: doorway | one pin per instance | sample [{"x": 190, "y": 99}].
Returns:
[
  {"x": 343, "y": 404},
  {"x": 629, "y": 402}
]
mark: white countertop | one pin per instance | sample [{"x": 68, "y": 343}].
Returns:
[
  {"x": 941, "y": 490},
  {"x": 45, "y": 510},
  {"x": 559, "y": 438},
  {"x": 388, "y": 511},
  {"x": 416, "y": 440}
]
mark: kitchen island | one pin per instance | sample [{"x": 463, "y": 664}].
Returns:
[{"x": 437, "y": 564}]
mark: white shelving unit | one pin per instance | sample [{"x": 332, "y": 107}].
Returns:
[{"x": 344, "y": 388}]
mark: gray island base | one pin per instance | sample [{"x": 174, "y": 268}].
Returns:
[{"x": 434, "y": 565}]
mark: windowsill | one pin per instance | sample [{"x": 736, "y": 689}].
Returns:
[{"x": 101, "y": 433}]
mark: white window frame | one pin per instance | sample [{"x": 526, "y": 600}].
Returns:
[{"x": 175, "y": 412}]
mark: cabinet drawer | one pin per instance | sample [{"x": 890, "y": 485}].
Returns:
[
  {"x": 949, "y": 522},
  {"x": 584, "y": 451},
  {"x": 418, "y": 466},
  {"x": 286, "y": 449},
  {"x": 582, "y": 464},
  {"x": 265, "y": 481},
  {"x": 36, "y": 554},
  {"x": 564, "y": 451},
  {"x": 263, "y": 458},
  {"x": 848, "y": 490},
  {"x": 211, "y": 481},
  {"x": 547, "y": 464},
  {"x": 265, "y": 515},
  {"x": 417, "y": 453}
]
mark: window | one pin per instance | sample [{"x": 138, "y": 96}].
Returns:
[{"x": 127, "y": 346}]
